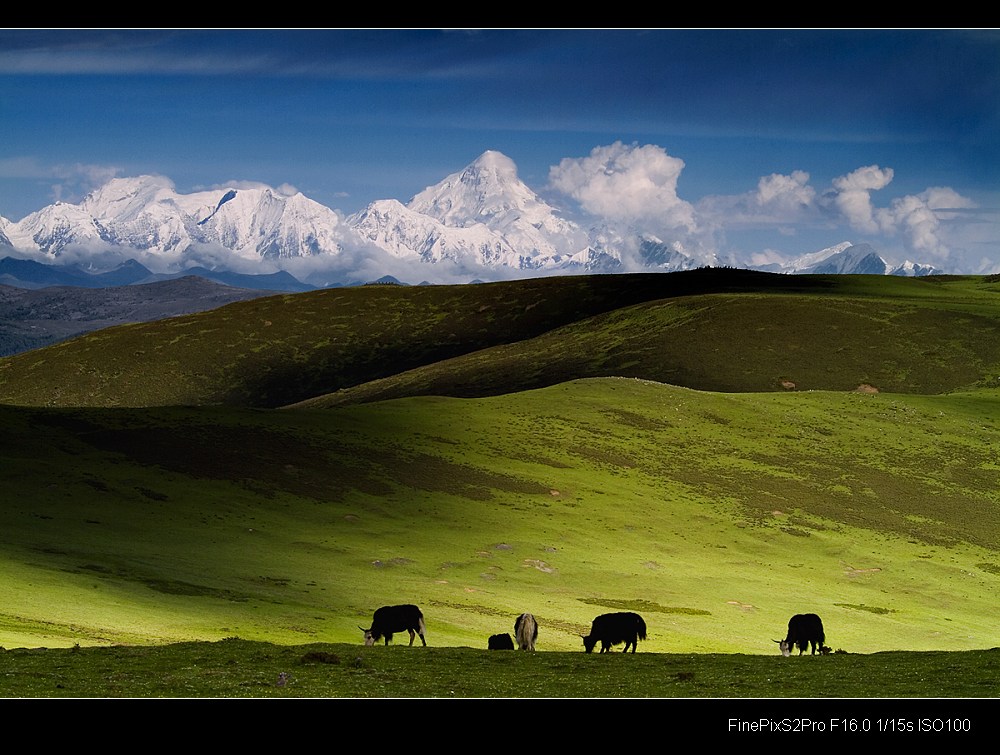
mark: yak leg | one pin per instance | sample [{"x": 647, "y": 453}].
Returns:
[{"x": 412, "y": 636}]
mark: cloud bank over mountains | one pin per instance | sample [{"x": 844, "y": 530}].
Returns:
[{"x": 617, "y": 209}]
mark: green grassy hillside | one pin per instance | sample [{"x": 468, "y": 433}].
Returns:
[
  {"x": 717, "y": 516},
  {"x": 282, "y": 349},
  {"x": 717, "y": 450},
  {"x": 732, "y": 343},
  {"x": 766, "y": 332}
]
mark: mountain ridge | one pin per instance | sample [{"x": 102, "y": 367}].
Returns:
[{"x": 481, "y": 222}]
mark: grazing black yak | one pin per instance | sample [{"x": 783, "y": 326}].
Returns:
[
  {"x": 391, "y": 619},
  {"x": 614, "y": 628},
  {"x": 804, "y": 630},
  {"x": 500, "y": 642}
]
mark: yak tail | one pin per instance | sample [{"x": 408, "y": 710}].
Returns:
[{"x": 641, "y": 633}]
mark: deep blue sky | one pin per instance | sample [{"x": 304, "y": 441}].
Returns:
[{"x": 860, "y": 135}]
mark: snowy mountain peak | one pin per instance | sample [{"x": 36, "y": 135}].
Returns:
[
  {"x": 911, "y": 269},
  {"x": 486, "y": 191},
  {"x": 857, "y": 259},
  {"x": 125, "y": 199},
  {"x": 494, "y": 162}
]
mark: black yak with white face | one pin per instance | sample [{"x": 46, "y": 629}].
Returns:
[
  {"x": 526, "y": 631},
  {"x": 391, "y": 619},
  {"x": 615, "y": 628},
  {"x": 500, "y": 642},
  {"x": 804, "y": 630}
]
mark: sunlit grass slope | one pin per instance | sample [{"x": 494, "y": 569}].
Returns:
[{"x": 717, "y": 516}]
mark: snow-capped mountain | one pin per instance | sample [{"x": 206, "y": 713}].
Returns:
[
  {"x": 53, "y": 228},
  {"x": 847, "y": 258},
  {"x": 631, "y": 250},
  {"x": 489, "y": 192},
  {"x": 483, "y": 216},
  {"x": 407, "y": 234},
  {"x": 913, "y": 269},
  {"x": 843, "y": 258},
  {"x": 146, "y": 213},
  {"x": 482, "y": 223}
]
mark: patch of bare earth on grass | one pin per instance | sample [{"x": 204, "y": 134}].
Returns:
[
  {"x": 540, "y": 565},
  {"x": 852, "y": 571},
  {"x": 379, "y": 563}
]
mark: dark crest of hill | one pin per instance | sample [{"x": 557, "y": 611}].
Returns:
[
  {"x": 278, "y": 350},
  {"x": 715, "y": 329}
]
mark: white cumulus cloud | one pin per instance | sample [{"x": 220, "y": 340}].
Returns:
[
  {"x": 782, "y": 203},
  {"x": 919, "y": 218},
  {"x": 787, "y": 194},
  {"x": 941, "y": 199},
  {"x": 853, "y": 196},
  {"x": 627, "y": 183}
]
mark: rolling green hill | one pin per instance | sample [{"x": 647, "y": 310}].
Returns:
[
  {"x": 730, "y": 343},
  {"x": 716, "y": 516},
  {"x": 281, "y": 349},
  {"x": 715, "y": 456},
  {"x": 720, "y": 330}
]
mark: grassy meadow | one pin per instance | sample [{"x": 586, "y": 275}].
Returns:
[
  {"x": 241, "y": 669},
  {"x": 716, "y": 460}
]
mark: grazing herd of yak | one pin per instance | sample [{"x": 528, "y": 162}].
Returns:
[{"x": 805, "y": 630}]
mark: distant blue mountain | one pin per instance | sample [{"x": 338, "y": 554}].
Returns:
[
  {"x": 125, "y": 274},
  {"x": 31, "y": 317},
  {"x": 280, "y": 281},
  {"x": 22, "y": 273},
  {"x": 31, "y": 274}
]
